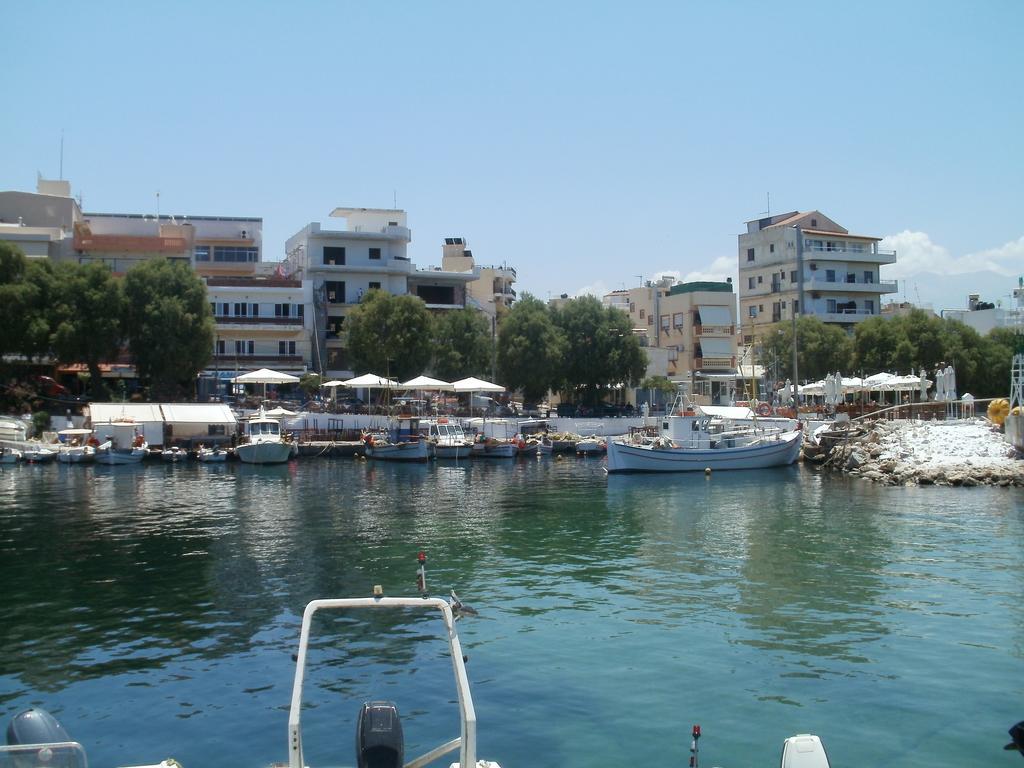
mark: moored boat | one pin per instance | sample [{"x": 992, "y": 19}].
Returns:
[
  {"x": 75, "y": 447},
  {"x": 448, "y": 440},
  {"x": 174, "y": 453},
  {"x": 124, "y": 443},
  {"x": 399, "y": 441},
  {"x": 9, "y": 455},
  {"x": 38, "y": 454},
  {"x": 262, "y": 442},
  {"x": 211, "y": 455}
]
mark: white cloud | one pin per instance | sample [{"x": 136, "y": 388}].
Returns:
[
  {"x": 720, "y": 269},
  {"x": 916, "y": 254},
  {"x": 597, "y": 289}
]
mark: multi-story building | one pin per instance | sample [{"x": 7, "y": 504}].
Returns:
[
  {"x": 40, "y": 223},
  {"x": 213, "y": 245},
  {"x": 696, "y": 323},
  {"x": 491, "y": 289},
  {"x": 805, "y": 263},
  {"x": 343, "y": 265},
  {"x": 261, "y": 323},
  {"x": 985, "y": 316}
]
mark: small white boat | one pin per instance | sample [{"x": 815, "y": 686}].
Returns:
[
  {"x": 590, "y": 446},
  {"x": 211, "y": 455},
  {"x": 401, "y": 441},
  {"x": 75, "y": 448},
  {"x": 493, "y": 448},
  {"x": 174, "y": 453},
  {"x": 9, "y": 455},
  {"x": 38, "y": 455},
  {"x": 546, "y": 446},
  {"x": 694, "y": 442},
  {"x": 262, "y": 442},
  {"x": 448, "y": 440},
  {"x": 124, "y": 443}
]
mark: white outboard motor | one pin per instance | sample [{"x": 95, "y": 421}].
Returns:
[
  {"x": 379, "y": 742},
  {"x": 804, "y": 751}
]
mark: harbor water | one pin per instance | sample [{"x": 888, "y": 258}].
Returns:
[{"x": 155, "y": 610}]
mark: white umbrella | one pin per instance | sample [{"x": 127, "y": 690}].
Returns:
[
  {"x": 950, "y": 383},
  {"x": 472, "y": 385},
  {"x": 923, "y": 383},
  {"x": 265, "y": 376},
  {"x": 427, "y": 383},
  {"x": 370, "y": 381},
  {"x": 279, "y": 411},
  {"x": 333, "y": 383}
]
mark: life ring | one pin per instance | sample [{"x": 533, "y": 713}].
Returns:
[{"x": 763, "y": 409}]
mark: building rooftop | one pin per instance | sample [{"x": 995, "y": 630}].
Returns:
[{"x": 704, "y": 285}]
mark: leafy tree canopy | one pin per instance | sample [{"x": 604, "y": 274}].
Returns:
[
  {"x": 462, "y": 345},
  {"x": 530, "y": 349},
  {"x": 169, "y": 325},
  {"x": 601, "y": 349},
  {"x": 389, "y": 335}
]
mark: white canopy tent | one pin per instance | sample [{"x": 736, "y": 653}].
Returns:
[
  {"x": 473, "y": 385},
  {"x": 371, "y": 381},
  {"x": 265, "y": 376}
]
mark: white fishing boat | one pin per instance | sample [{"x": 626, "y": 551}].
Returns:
[
  {"x": 173, "y": 453},
  {"x": 38, "y": 454},
  {"x": 13, "y": 430},
  {"x": 696, "y": 441},
  {"x": 9, "y": 455},
  {"x": 211, "y": 455},
  {"x": 495, "y": 439},
  {"x": 75, "y": 447},
  {"x": 399, "y": 441},
  {"x": 448, "y": 440},
  {"x": 527, "y": 447},
  {"x": 123, "y": 444},
  {"x": 262, "y": 442}
]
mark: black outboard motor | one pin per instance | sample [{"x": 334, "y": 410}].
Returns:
[
  {"x": 379, "y": 742},
  {"x": 37, "y": 726}
]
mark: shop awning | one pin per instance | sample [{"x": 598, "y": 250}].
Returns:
[
  {"x": 711, "y": 314},
  {"x": 716, "y": 347}
]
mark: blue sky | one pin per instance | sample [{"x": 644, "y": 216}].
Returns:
[{"x": 585, "y": 144}]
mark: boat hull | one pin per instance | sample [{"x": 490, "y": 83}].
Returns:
[
  {"x": 212, "y": 457},
  {"x": 460, "y": 451},
  {"x": 75, "y": 455},
  {"x": 771, "y": 452},
  {"x": 412, "y": 451},
  {"x": 495, "y": 451},
  {"x": 268, "y": 452},
  {"x": 115, "y": 457}
]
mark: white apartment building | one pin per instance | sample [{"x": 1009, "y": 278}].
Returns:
[
  {"x": 491, "y": 289},
  {"x": 986, "y": 317},
  {"x": 343, "y": 265},
  {"x": 808, "y": 264}
]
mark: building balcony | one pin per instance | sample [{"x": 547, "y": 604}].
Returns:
[
  {"x": 714, "y": 363},
  {"x": 861, "y": 257},
  {"x": 248, "y": 361},
  {"x": 84, "y": 240},
  {"x": 846, "y": 317},
  {"x": 714, "y": 330},
  {"x": 262, "y": 323},
  {"x": 821, "y": 285}
]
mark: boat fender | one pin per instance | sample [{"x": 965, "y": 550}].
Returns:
[
  {"x": 763, "y": 409},
  {"x": 521, "y": 444}
]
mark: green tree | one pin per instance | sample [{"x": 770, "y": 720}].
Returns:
[
  {"x": 25, "y": 286},
  {"x": 995, "y": 358},
  {"x": 822, "y": 348},
  {"x": 309, "y": 383},
  {"x": 462, "y": 345},
  {"x": 601, "y": 349},
  {"x": 530, "y": 349},
  {"x": 87, "y": 309},
  {"x": 389, "y": 335},
  {"x": 169, "y": 325}
]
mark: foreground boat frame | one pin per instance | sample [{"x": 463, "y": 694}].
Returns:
[{"x": 466, "y": 743}]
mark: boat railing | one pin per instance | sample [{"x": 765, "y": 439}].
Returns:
[
  {"x": 466, "y": 742},
  {"x": 64, "y": 753}
]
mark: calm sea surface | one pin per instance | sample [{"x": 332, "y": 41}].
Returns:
[{"x": 155, "y": 611}]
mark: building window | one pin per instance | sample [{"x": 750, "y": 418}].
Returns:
[
  {"x": 783, "y": 305},
  {"x": 666, "y": 321},
  {"x": 855, "y": 247},
  {"x": 796, "y": 306},
  {"x": 771, "y": 248},
  {"x": 642, "y": 314},
  {"x": 833, "y": 245},
  {"x": 830, "y": 275},
  {"x": 677, "y": 320},
  {"x": 752, "y": 310},
  {"x": 650, "y": 319},
  {"x": 374, "y": 286},
  {"x": 301, "y": 310},
  {"x": 235, "y": 253},
  {"x": 750, "y": 254},
  {"x": 750, "y": 282},
  {"x": 632, "y": 307},
  {"x": 792, "y": 276},
  {"x": 334, "y": 323},
  {"x": 851, "y": 277},
  {"x": 760, "y": 307},
  {"x": 760, "y": 279},
  {"x": 202, "y": 253},
  {"x": 814, "y": 245},
  {"x": 375, "y": 254},
  {"x": 830, "y": 306},
  {"x": 281, "y": 310},
  {"x": 814, "y": 222},
  {"x": 241, "y": 309},
  {"x": 869, "y": 276},
  {"x": 255, "y": 310},
  {"x": 215, "y": 429},
  {"x": 243, "y": 347},
  {"x": 334, "y": 255},
  {"x": 286, "y": 348},
  {"x": 869, "y": 306},
  {"x": 221, "y": 347},
  {"x": 335, "y": 292},
  {"x": 213, "y": 307}
]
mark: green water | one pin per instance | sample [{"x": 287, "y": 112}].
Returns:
[{"x": 155, "y": 610}]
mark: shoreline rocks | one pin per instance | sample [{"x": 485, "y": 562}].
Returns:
[{"x": 966, "y": 453}]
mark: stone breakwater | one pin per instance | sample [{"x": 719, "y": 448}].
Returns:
[{"x": 966, "y": 453}]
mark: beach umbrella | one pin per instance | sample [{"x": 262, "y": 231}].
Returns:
[
  {"x": 370, "y": 381},
  {"x": 425, "y": 383},
  {"x": 950, "y": 383},
  {"x": 265, "y": 376},
  {"x": 923, "y": 384},
  {"x": 473, "y": 385},
  {"x": 279, "y": 412}
]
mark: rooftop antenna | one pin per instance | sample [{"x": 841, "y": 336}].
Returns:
[
  {"x": 395, "y": 200},
  {"x": 641, "y": 280},
  {"x": 158, "y": 207}
]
